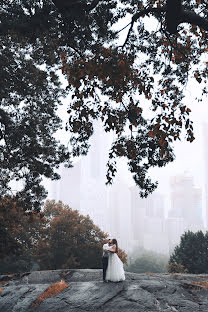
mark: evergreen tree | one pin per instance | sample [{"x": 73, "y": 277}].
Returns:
[{"x": 192, "y": 252}]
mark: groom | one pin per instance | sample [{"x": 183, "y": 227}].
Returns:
[{"x": 105, "y": 258}]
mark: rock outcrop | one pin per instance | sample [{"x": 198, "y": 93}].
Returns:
[{"x": 85, "y": 291}]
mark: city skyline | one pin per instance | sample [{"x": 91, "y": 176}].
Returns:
[{"x": 111, "y": 207}]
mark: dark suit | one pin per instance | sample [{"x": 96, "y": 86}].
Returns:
[
  {"x": 105, "y": 266},
  {"x": 105, "y": 261}
]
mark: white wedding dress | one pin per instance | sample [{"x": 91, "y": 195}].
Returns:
[{"x": 115, "y": 270}]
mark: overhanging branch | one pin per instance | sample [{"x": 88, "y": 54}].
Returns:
[
  {"x": 136, "y": 16},
  {"x": 194, "y": 19},
  {"x": 185, "y": 16},
  {"x": 172, "y": 17}
]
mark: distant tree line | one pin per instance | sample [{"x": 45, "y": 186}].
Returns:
[
  {"x": 149, "y": 261},
  {"x": 189, "y": 256}
]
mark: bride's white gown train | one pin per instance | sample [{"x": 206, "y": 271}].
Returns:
[{"x": 115, "y": 270}]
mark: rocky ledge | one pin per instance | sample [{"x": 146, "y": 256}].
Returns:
[{"x": 83, "y": 290}]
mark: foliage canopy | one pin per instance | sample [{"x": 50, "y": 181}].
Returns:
[
  {"x": 20, "y": 232},
  {"x": 107, "y": 82},
  {"x": 71, "y": 240}
]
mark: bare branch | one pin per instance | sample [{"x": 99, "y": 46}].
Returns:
[{"x": 123, "y": 28}]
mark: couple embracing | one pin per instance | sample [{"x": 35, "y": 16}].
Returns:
[{"x": 112, "y": 266}]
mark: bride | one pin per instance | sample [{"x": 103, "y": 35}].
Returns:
[{"x": 115, "y": 271}]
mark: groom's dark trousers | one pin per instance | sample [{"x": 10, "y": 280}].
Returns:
[{"x": 105, "y": 265}]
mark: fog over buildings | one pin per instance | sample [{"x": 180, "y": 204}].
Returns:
[{"x": 155, "y": 223}]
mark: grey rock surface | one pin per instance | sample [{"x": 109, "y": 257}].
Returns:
[{"x": 86, "y": 292}]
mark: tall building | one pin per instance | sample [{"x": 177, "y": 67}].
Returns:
[
  {"x": 186, "y": 202},
  {"x": 138, "y": 213},
  {"x": 205, "y": 134},
  {"x": 148, "y": 222},
  {"x": 68, "y": 188},
  {"x": 186, "y": 209},
  {"x": 119, "y": 221},
  {"x": 174, "y": 228},
  {"x": 83, "y": 186},
  {"x": 155, "y": 237}
]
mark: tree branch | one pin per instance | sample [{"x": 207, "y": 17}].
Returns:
[
  {"x": 190, "y": 17},
  {"x": 91, "y": 6},
  {"x": 140, "y": 14},
  {"x": 64, "y": 5},
  {"x": 173, "y": 12},
  {"x": 185, "y": 16}
]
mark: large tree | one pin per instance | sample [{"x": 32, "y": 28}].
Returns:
[
  {"x": 71, "y": 241},
  {"x": 107, "y": 81},
  {"x": 20, "y": 232},
  {"x": 28, "y": 119}
]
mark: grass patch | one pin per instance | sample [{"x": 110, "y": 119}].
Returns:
[{"x": 51, "y": 291}]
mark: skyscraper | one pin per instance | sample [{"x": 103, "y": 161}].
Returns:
[
  {"x": 205, "y": 134},
  {"x": 83, "y": 186},
  {"x": 148, "y": 222},
  {"x": 186, "y": 202}
]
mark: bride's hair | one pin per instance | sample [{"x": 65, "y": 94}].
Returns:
[{"x": 114, "y": 241}]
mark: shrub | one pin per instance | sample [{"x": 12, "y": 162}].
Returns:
[
  {"x": 192, "y": 252},
  {"x": 176, "y": 268}
]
